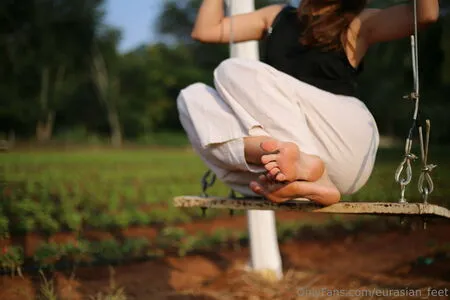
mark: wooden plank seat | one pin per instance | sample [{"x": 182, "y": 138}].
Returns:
[{"x": 305, "y": 205}]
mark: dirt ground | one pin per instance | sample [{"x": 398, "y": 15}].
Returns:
[{"x": 369, "y": 263}]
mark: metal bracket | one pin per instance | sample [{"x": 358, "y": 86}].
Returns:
[
  {"x": 232, "y": 195},
  {"x": 207, "y": 181},
  {"x": 404, "y": 179}
]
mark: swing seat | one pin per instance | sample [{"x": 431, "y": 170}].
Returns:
[{"x": 305, "y": 205}]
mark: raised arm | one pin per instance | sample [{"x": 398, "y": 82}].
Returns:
[
  {"x": 212, "y": 26},
  {"x": 396, "y": 22}
]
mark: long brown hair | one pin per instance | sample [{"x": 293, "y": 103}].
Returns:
[{"x": 324, "y": 21}]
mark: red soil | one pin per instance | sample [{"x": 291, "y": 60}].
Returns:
[{"x": 382, "y": 261}]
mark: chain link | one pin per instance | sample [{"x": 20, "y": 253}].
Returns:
[{"x": 208, "y": 180}]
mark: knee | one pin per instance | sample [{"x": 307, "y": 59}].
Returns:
[
  {"x": 227, "y": 70},
  {"x": 188, "y": 95},
  {"x": 232, "y": 73},
  {"x": 191, "y": 90}
]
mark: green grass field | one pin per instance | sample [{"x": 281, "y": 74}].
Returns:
[{"x": 74, "y": 191}]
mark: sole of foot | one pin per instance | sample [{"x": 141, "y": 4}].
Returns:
[
  {"x": 285, "y": 162},
  {"x": 322, "y": 191}
]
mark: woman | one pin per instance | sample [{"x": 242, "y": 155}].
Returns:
[{"x": 292, "y": 126}]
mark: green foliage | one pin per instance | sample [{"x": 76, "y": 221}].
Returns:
[
  {"x": 288, "y": 230},
  {"x": 76, "y": 252},
  {"x": 4, "y": 225},
  {"x": 168, "y": 139},
  {"x": 140, "y": 218},
  {"x": 136, "y": 248},
  {"x": 71, "y": 219},
  {"x": 108, "y": 250},
  {"x": 78, "y": 134},
  {"x": 48, "y": 192},
  {"x": 170, "y": 237},
  {"x": 24, "y": 213},
  {"x": 43, "y": 57},
  {"x": 48, "y": 254},
  {"x": 191, "y": 243},
  {"x": 11, "y": 259}
]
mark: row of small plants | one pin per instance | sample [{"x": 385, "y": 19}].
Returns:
[
  {"x": 33, "y": 207},
  {"x": 71, "y": 191},
  {"x": 51, "y": 205},
  {"x": 56, "y": 255},
  {"x": 83, "y": 252},
  {"x": 170, "y": 240}
]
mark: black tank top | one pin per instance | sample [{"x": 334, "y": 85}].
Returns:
[{"x": 330, "y": 71}]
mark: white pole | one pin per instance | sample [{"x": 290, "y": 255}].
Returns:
[{"x": 264, "y": 251}]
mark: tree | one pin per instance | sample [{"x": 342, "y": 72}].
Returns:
[
  {"x": 105, "y": 74},
  {"x": 44, "y": 46},
  {"x": 151, "y": 77}
]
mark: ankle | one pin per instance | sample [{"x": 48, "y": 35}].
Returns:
[{"x": 252, "y": 149}]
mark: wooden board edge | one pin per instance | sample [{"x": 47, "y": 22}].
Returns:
[{"x": 305, "y": 205}]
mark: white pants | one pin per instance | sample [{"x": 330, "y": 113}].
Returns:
[{"x": 253, "y": 99}]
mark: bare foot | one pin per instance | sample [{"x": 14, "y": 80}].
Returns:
[
  {"x": 285, "y": 162},
  {"x": 322, "y": 191}
]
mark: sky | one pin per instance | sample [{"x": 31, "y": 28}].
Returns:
[{"x": 134, "y": 18}]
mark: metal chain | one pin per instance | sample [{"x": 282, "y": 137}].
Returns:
[{"x": 208, "y": 180}]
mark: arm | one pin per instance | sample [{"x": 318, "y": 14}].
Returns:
[
  {"x": 212, "y": 26},
  {"x": 396, "y": 22}
]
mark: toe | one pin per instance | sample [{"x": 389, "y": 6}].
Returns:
[
  {"x": 263, "y": 179},
  {"x": 265, "y": 159},
  {"x": 267, "y": 179},
  {"x": 269, "y": 166},
  {"x": 274, "y": 172},
  {"x": 270, "y": 145},
  {"x": 280, "y": 177},
  {"x": 256, "y": 187}
]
